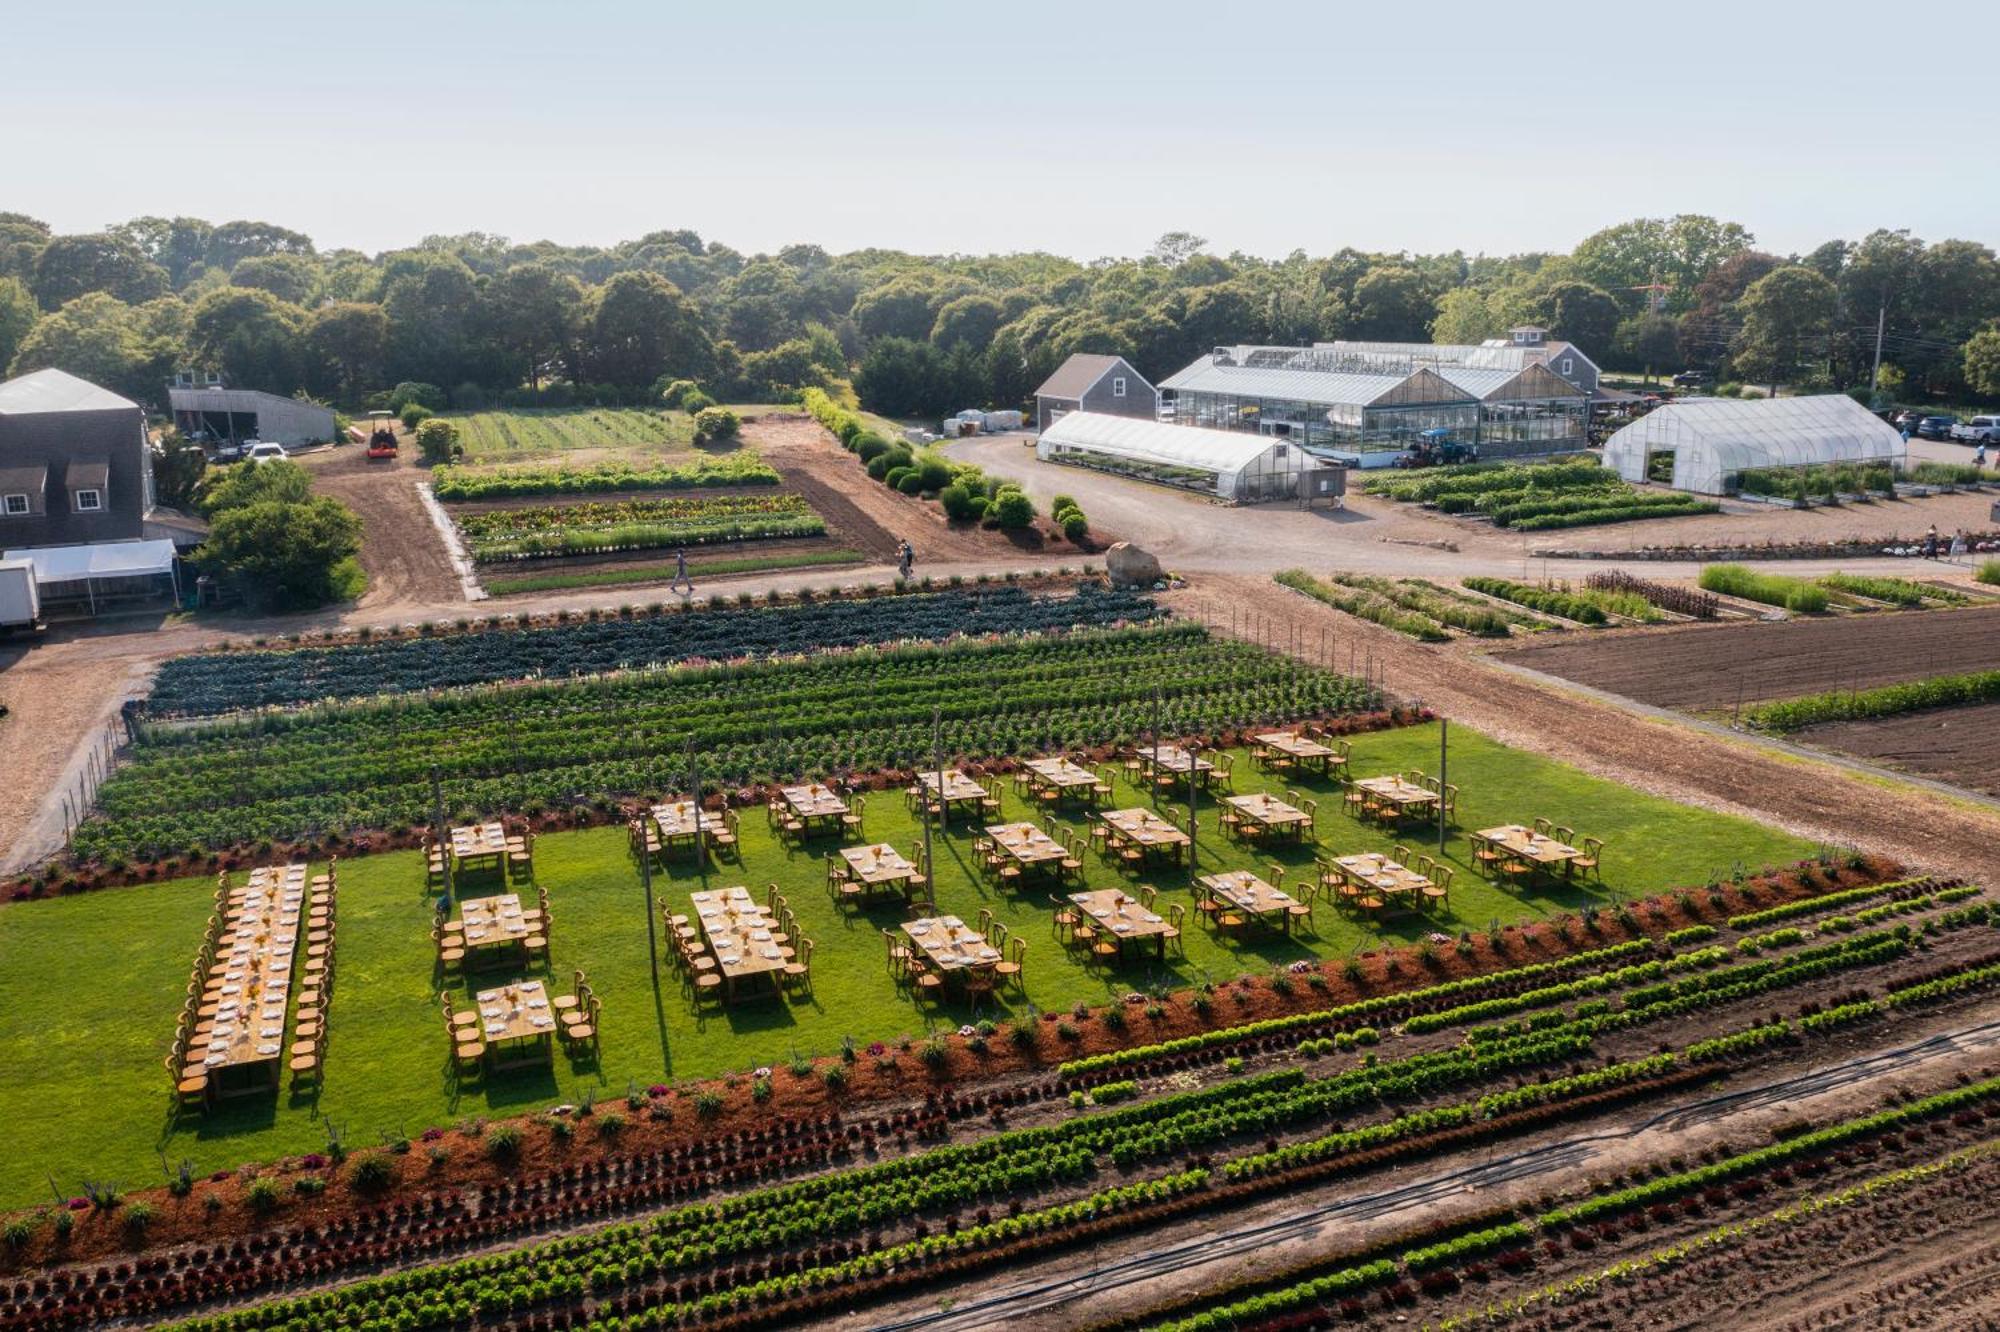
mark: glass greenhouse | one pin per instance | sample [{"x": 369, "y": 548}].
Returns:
[
  {"x": 1714, "y": 439},
  {"x": 1364, "y": 420},
  {"x": 1230, "y": 464}
]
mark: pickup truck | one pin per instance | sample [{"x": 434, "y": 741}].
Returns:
[{"x": 1979, "y": 430}]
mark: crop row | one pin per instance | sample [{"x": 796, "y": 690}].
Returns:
[
  {"x": 528, "y": 748},
  {"x": 458, "y": 483},
  {"x": 1484, "y": 478},
  {"x": 1667, "y": 596},
  {"x": 1834, "y": 705},
  {"x": 1550, "y": 602},
  {"x": 1846, "y": 897},
  {"x": 1364, "y": 605},
  {"x": 1895, "y": 591},
  {"x": 210, "y": 683},
  {"x": 1736, "y": 580},
  {"x": 595, "y": 525},
  {"x": 1453, "y": 610}
]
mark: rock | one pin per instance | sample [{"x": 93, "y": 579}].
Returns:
[{"x": 1129, "y": 566}]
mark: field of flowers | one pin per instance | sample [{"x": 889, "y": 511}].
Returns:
[{"x": 600, "y": 526}]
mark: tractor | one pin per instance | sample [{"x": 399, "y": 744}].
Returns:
[
  {"x": 381, "y": 435},
  {"x": 1436, "y": 448}
]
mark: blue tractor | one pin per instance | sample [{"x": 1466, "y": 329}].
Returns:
[{"x": 1435, "y": 448}]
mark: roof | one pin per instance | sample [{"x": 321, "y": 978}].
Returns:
[
  {"x": 1496, "y": 356},
  {"x": 110, "y": 559},
  {"x": 44, "y": 391},
  {"x": 1158, "y": 442},
  {"x": 1074, "y": 377},
  {"x": 1321, "y": 387},
  {"x": 87, "y": 472},
  {"x": 14, "y": 480},
  {"x": 222, "y": 399},
  {"x": 184, "y": 530}
]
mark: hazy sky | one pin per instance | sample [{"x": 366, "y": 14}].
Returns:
[{"x": 1083, "y": 128}]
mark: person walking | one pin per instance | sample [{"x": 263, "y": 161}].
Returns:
[
  {"x": 682, "y": 583},
  {"x": 1958, "y": 544},
  {"x": 906, "y": 558},
  {"x": 1979, "y": 455}
]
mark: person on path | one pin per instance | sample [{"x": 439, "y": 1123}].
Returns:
[
  {"x": 906, "y": 557},
  {"x": 682, "y": 583},
  {"x": 1979, "y": 455},
  {"x": 1958, "y": 543},
  {"x": 1931, "y": 543}
]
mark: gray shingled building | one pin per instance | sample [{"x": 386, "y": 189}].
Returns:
[
  {"x": 76, "y": 467},
  {"x": 1091, "y": 383}
]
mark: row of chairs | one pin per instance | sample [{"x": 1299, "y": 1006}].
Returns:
[
  {"x": 699, "y": 971},
  {"x": 1226, "y": 918},
  {"x": 995, "y": 864},
  {"x": 1249, "y": 830},
  {"x": 450, "y": 944},
  {"x": 309, "y": 1019},
  {"x": 520, "y": 859},
  {"x": 725, "y": 841},
  {"x": 911, "y": 968},
  {"x": 1354, "y": 893}
]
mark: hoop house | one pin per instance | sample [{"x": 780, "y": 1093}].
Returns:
[{"x": 1714, "y": 439}]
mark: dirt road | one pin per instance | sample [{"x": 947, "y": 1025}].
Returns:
[{"x": 1678, "y": 761}]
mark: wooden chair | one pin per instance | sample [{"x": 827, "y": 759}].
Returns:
[
  {"x": 1067, "y": 917},
  {"x": 1148, "y": 895},
  {"x": 1544, "y": 827},
  {"x": 707, "y": 987},
  {"x": 1301, "y": 909},
  {"x": 798, "y": 971},
  {"x": 1591, "y": 862},
  {"x": 900, "y": 956},
  {"x": 1439, "y": 892},
  {"x": 850, "y": 822},
  {"x": 1486, "y": 857},
  {"x": 929, "y": 984},
  {"x": 1009, "y": 968},
  {"x": 580, "y": 1028},
  {"x": 1176, "y": 924},
  {"x": 1567, "y": 836}
]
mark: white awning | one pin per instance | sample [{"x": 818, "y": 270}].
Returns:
[{"x": 110, "y": 559}]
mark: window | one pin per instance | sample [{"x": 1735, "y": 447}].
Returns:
[
  {"x": 90, "y": 500},
  {"x": 1568, "y": 365},
  {"x": 17, "y": 504},
  {"x": 1118, "y": 387}
]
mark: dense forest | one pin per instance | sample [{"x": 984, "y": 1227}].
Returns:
[{"x": 488, "y": 321}]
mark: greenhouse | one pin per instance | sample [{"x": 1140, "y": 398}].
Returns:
[
  {"x": 1231, "y": 464},
  {"x": 1712, "y": 440},
  {"x": 1363, "y": 420}
]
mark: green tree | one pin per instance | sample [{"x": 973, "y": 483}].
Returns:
[
  {"x": 1465, "y": 316},
  {"x": 902, "y": 377},
  {"x": 286, "y": 556},
  {"x": 1647, "y": 342},
  {"x": 18, "y": 313},
  {"x": 73, "y": 266},
  {"x": 243, "y": 484},
  {"x": 904, "y": 308},
  {"x": 22, "y": 238},
  {"x": 437, "y": 439},
  {"x": 642, "y": 327},
  {"x": 100, "y": 338},
  {"x": 179, "y": 245},
  {"x": 233, "y": 242},
  {"x": 292, "y": 278},
  {"x": 1679, "y": 251},
  {"x": 1981, "y": 358},
  {"x": 178, "y": 467},
  {"x": 349, "y": 340},
  {"x": 971, "y": 319},
  {"x": 538, "y": 319},
  {"x": 715, "y": 425},
  {"x": 1581, "y": 313},
  {"x": 252, "y": 337},
  {"x": 1392, "y": 304},
  {"x": 1787, "y": 324}
]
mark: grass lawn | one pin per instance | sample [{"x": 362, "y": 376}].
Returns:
[
  {"x": 91, "y": 983},
  {"x": 521, "y": 434}
]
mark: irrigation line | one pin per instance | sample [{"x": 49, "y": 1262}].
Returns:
[{"x": 1215, "y": 1247}]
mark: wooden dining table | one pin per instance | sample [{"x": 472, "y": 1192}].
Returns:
[
  {"x": 950, "y": 944},
  {"x": 1407, "y": 797},
  {"x": 1145, "y": 829},
  {"x": 1305, "y": 752},
  {"x": 1032, "y": 848},
  {"x": 1544, "y": 852},
  {"x": 1252, "y": 896},
  {"x": 1379, "y": 874},
  {"x": 680, "y": 820},
  {"x": 816, "y": 805},
  {"x": 518, "y": 1024},
  {"x": 250, "y": 981},
  {"x": 879, "y": 868},
  {"x": 1123, "y": 918},
  {"x": 1072, "y": 781},
  {"x": 1173, "y": 758},
  {"x": 952, "y": 789},
  {"x": 494, "y": 927},
  {"x": 1271, "y": 812},
  {"x": 739, "y": 932},
  {"x": 479, "y": 841}
]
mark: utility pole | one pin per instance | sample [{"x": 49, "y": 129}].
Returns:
[
  {"x": 441, "y": 835},
  {"x": 1194, "y": 755},
  {"x": 1156, "y": 747},
  {"x": 694, "y": 789},
  {"x": 1444, "y": 776},
  {"x": 937, "y": 769},
  {"x": 1875, "y": 375}
]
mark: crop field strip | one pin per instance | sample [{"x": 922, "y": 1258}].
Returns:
[
  {"x": 1417, "y": 607},
  {"x": 1033, "y": 1161},
  {"x": 369, "y": 764},
  {"x": 528, "y": 432},
  {"x": 589, "y": 527},
  {"x": 456, "y": 483},
  {"x": 1537, "y": 497}
]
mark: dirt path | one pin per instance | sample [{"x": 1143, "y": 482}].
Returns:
[
  {"x": 400, "y": 548},
  {"x": 1665, "y": 758}
]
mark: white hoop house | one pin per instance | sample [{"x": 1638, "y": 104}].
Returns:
[{"x": 1714, "y": 439}]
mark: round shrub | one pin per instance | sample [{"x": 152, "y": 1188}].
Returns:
[
  {"x": 896, "y": 476},
  {"x": 716, "y": 423},
  {"x": 869, "y": 445},
  {"x": 975, "y": 508},
  {"x": 912, "y": 482},
  {"x": 695, "y": 402},
  {"x": 1013, "y": 509},
  {"x": 676, "y": 393},
  {"x": 1074, "y": 525},
  {"x": 415, "y": 415},
  {"x": 958, "y": 501},
  {"x": 935, "y": 471},
  {"x": 1061, "y": 502}
]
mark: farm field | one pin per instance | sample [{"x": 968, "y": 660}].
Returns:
[
  {"x": 577, "y": 434},
  {"x": 1536, "y": 497},
  {"x": 585, "y": 527},
  {"x": 1955, "y": 745},
  {"x": 1701, "y": 668}
]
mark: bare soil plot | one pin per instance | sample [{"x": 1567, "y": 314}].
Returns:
[
  {"x": 1956, "y": 745},
  {"x": 401, "y": 551},
  {"x": 1703, "y": 667}
]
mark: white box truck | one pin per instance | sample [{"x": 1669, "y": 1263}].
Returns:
[{"x": 20, "y": 601}]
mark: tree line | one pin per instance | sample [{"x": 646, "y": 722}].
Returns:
[{"x": 492, "y": 322}]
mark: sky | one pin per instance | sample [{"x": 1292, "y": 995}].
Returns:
[{"x": 1085, "y": 129}]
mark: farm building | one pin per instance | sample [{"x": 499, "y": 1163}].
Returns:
[
  {"x": 1231, "y": 464},
  {"x": 1522, "y": 347},
  {"x": 1714, "y": 439},
  {"x": 234, "y": 415},
  {"x": 1107, "y": 385},
  {"x": 1362, "y": 420},
  {"x": 76, "y": 467}
]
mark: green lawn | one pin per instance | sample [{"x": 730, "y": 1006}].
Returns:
[{"x": 89, "y": 985}]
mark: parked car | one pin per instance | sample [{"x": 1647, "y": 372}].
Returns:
[
  {"x": 1906, "y": 420},
  {"x": 1935, "y": 427},
  {"x": 257, "y": 451},
  {"x": 1692, "y": 379},
  {"x": 1979, "y": 430}
]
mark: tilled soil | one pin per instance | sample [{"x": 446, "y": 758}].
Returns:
[
  {"x": 1704, "y": 667},
  {"x": 401, "y": 550},
  {"x": 1679, "y": 762},
  {"x": 1956, "y": 745}
]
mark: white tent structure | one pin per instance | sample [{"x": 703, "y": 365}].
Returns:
[
  {"x": 102, "y": 567},
  {"x": 1714, "y": 439},
  {"x": 1233, "y": 464}
]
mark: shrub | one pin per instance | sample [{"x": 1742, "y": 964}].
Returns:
[
  {"x": 422, "y": 394},
  {"x": 912, "y": 482},
  {"x": 503, "y": 1143},
  {"x": 695, "y": 402},
  {"x": 374, "y": 1173},
  {"x": 1074, "y": 525},
  {"x": 895, "y": 476},
  {"x": 1013, "y": 509},
  {"x": 675, "y": 393},
  {"x": 1989, "y": 572},
  {"x": 868, "y": 446},
  {"x": 415, "y": 415},
  {"x": 437, "y": 441},
  {"x": 713, "y": 424},
  {"x": 262, "y": 1195},
  {"x": 1794, "y": 594},
  {"x": 934, "y": 471},
  {"x": 957, "y": 502},
  {"x": 138, "y": 1217}
]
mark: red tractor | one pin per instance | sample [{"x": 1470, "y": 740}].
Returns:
[{"x": 381, "y": 435}]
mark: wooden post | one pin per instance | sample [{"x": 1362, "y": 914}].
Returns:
[{"x": 1444, "y": 776}]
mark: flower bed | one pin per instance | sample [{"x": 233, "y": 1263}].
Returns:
[
  {"x": 461, "y": 483},
  {"x": 600, "y": 526}
]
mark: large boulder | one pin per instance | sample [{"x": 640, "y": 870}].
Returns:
[{"x": 1131, "y": 567}]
